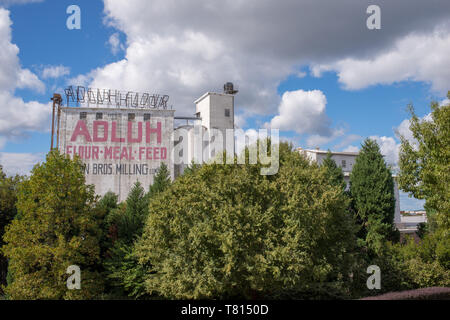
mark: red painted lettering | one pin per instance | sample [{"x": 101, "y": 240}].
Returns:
[
  {"x": 130, "y": 132},
  {"x": 149, "y": 131},
  {"x": 108, "y": 152},
  {"x": 141, "y": 152},
  {"x": 116, "y": 153},
  {"x": 97, "y": 124},
  {"x": 95, "y": 153},
  {"x": 149, "y": 153},
  {"x": 124, "y": 154},
  {"x": 114, "y": 137},
  {"x": 81, "y": 130}
]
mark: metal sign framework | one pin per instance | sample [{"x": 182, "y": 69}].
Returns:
[
  {"x": 114, "y": 98},
  {"x": 55, "y": 122}
]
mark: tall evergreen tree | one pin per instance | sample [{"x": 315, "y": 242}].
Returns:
[
  {"x": 372, "y": 192},
  {"x": 334, "y": 172},
  {"x": 125, "y": 224},
  {"x": 57, "y": 226},
  {"x": 161, "y": 181},
  {"x": 128, "y": 220},
  {"x": 131, "y": 216},
  {"x": 106, "y": 205},
  {"x": 108, "y": 202}
]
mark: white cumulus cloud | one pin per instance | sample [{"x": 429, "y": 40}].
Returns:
[
  {"x": 115, "y": 44},
  {"x": 11, "y": 2},
  {"x": 55, "y": 71},
  {"x": 416, "y": 57},
  {"x": 16, "y": 115},
  {"x": 351, "y": 149},
  {"x": 19, "y": 163},
  {"x": 187, "y": 48},
  {"x": 305, "y": 113},
  {"x": 389, "y": 149}
]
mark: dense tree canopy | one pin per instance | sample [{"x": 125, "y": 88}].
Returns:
[
  {"x": 227, "y": 231},
  {"x": 372, "y": 192},
  {"x": 57, "y": 226},
  {"x": 425, "y": 162},
  {"x": 334, "y": 172},
  {"x": 8, "y": 199},
  {"x": 425, "y": 173}
]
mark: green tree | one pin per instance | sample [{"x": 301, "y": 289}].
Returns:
[
  {"x": 57, "y": 226},
  {"x": 373, "y": 199},
  {"x": 8, "y": 199},
  {"x": 106, "y": 205},
  {"x": 425, "y": 162},
  {"x": 128, "y": 221},
  {"x": 192, "y": 167},
  {"x": 161, "y": 181},
  {"x": 226, "y": 231},
  {"x": 125, "y": 225},
  {"x": 334, "y": 172},
  {"x": 108, "y": 202}
]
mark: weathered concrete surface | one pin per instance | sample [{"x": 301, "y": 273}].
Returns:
[{"x": 116, "y": 157}]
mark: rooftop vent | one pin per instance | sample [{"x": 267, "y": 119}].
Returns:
[{"x": 228, "y": 88}]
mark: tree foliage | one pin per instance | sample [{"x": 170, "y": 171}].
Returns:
[
  {"x": 128, "y": 219},
  {"x": 226, "y": 231},
  {"x": 8, "y": 199},
  {"x": 125, "y": 225},
  {"x": 161, "y": 181},
  {"x": 373, "y": 198},
  {"x": 425, "y": 162},
  {"x": 106, "y": 206},
  {"x": 334, "y": 172},
  {"x": 127, "y": 222},
  {"x": 57, "y": 226},
  {"x": 425, "y": 173}
]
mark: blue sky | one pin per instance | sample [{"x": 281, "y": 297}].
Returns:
[{"x": 347, "y": 82}]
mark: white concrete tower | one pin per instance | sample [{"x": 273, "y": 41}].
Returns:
[{"x": 216, "y": 111}]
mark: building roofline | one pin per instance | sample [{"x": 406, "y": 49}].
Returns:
[
  {"x": 112, "y": 109},
  {"x": 326, "y": 151},
  {"x": 212, "y": 93}
]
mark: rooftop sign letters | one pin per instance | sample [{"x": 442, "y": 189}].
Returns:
[{"x": 93, "y": 97}]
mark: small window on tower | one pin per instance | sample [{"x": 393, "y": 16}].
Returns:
[
  {"x": 98, "y": 116},
  {"x": 227, "y": 112},
  {"x": 146, "y": 116},
  {"x": 131, "y": 116},
  {"x": 83, "y": 115},
  {"x": 344, "y": 163}
]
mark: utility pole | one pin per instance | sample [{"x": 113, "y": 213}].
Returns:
[{"x": 56, "y": 104}]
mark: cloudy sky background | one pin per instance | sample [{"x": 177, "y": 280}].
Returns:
[{"x": 310, "y": 68}]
